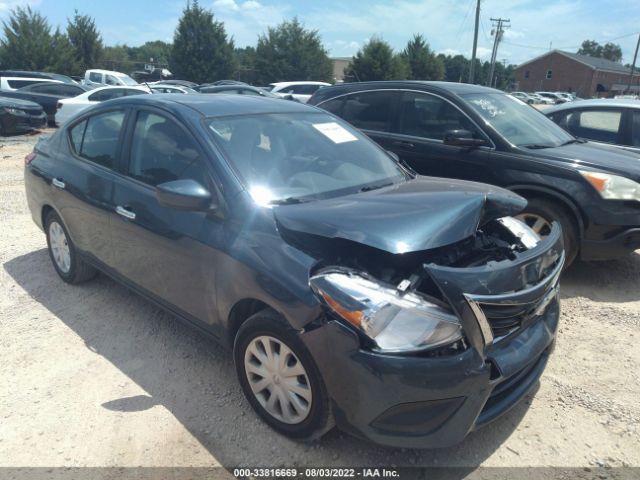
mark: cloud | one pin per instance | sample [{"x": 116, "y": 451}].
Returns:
[
  {"x": 226, "y": 5},
  {"x": 251, "y": 5}
]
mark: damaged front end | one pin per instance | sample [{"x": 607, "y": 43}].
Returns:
[{"x": 475, "y": 292}]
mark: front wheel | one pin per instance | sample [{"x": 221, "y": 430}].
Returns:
[
  {"x": 280, "y": 378},
  {"x": 540, "y": 213}
]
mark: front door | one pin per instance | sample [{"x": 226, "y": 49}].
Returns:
[
  {"x": 164, "y": 251},
  {"x": 423, "y": 121}
]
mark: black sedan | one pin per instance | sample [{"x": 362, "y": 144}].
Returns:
[
  {"x": 407, "y": 310},
  {"x": 47, "y": 95},
  {"x": 476, "y": 133},
  {"x": 20, "y": 116}
]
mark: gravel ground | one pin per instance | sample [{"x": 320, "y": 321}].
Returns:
[{"x": 94, "y": 375}]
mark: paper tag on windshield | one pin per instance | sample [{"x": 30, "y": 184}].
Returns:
[{"x": 334, "y": 132}]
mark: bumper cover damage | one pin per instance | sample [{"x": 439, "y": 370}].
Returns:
[{"x": 507, "y": 302}]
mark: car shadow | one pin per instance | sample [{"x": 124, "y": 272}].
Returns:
[
  {"x": 604, "y": 281},
  {"x": 194, "y": 378}
]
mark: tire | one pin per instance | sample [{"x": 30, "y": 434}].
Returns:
[
  {"x": 554, "y": 211},
  {"x": 71, "y": 269},
  {"x": 314, "y": 418}
]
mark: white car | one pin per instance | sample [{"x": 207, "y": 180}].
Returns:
[
  {"x": 301, "y": 91},
  {"x": 14, "y": 83},
  {"x": 97, "y": 77},
  {"x": 69, "y": 107}
]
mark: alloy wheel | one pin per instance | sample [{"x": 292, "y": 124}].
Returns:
[
  {"x": 278, "y": 379},
  {"x": 536, "y": 222}
]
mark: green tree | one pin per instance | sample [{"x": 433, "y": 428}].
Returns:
[
  {"x": 63, "y": 55},
  {"x": 117, "y": 58},
  {"x": 86, "y": 41},
  {"x": 27, "y": 41},
  {"x": 376, "y": 61},
  {"x": 201, "y": 51},
  {"x": 246, "y": 61},
  {"x": 610, "y": 51},
  {"x": 456, "y": 67},
  {"x": 157, "y": 50},
  {"x": 289, "y": 52},
  {"x": 422, "y": 61}
]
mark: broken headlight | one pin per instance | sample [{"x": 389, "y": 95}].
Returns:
[{"x": 396, "y": 322}]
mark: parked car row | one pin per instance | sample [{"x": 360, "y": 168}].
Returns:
[{"x": 545, "y": 98}]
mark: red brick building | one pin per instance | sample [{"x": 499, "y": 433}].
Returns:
[{"x": 558, "y": 71}]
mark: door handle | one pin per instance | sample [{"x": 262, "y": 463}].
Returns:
[
  {"x": 57, "y": 182},
  {"x": 400, "y": 143},
  {"x": 125, "y": 212}
]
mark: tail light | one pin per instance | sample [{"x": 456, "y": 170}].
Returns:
[
  {"x": 29, "y": 158},
  {"x": 59, "y": 105}
]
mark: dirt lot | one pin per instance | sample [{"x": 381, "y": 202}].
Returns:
[{"x": 94, "y": 375}]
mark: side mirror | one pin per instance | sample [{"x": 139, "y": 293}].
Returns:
[
  {"x": 184, "y": 195},
  {"x": 462, "y": 138}
]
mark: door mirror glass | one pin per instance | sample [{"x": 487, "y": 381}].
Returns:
[
  {"x": 461, "y": 138},
  {"x": 184, "y": 195}
]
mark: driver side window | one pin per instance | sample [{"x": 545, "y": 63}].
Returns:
[
  {"x": 161, "y": 152},
  {"x": 428, "y": 116}
]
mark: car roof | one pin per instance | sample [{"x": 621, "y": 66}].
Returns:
[
  {"x": 601, "y": 102},
  {"x": 280, "y": 84},
  {"x": 218, "y": 105},
  {"x": 110, "y": 72},
  {"x": 453, "y": 87}
]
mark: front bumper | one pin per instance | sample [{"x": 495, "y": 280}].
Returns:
[
  {"x": 509, "y": 312},
  {"x": 616, "y": 246},
  {"x": 24, "y": 123},
  {"x": 419, "y": 402}
]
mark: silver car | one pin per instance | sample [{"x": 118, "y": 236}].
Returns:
[{"x": 606, "y": 121}]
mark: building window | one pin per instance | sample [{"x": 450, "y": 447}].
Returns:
[
  {"x": 549, "y": 74},
  {"x": 526, "y": 74}
]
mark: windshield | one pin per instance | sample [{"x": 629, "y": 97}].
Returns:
[
  {"x": 291, "y": 157},
  {"x": 519, "y": 123},
  {"x": 127, "y": 80}
]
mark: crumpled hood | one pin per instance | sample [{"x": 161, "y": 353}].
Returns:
[{"x": 420, "y": 214}]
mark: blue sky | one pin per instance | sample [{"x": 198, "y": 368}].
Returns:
[{"x": 346, "y": 24}]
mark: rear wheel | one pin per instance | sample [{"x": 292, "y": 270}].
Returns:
[
  {"x": 280, "y": 378},
  {"x": 66, "y": 261},
  {"x": 540, "y": 213}
]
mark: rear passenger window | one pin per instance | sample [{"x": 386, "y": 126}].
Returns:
[
  {"x": 369, "y": 110},
  {"x": 96, "y": 139},
  {"x": 428, "y": 116},
  {"x": 161, "y": 152},
  {"x": 599, "y": 125},
  {"x": 333, "y": 106},
  {"x": 635, "y": 129}
]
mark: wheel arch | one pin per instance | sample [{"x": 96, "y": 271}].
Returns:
[
  {"x": 539, "y": 191},
  {"x": 240, "y": 313}
]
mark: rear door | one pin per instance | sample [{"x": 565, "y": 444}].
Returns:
[
  {"x": 83, "y": 179},
  {"x": 159, "y": 249},
  {"x": 373, "y": 112}
]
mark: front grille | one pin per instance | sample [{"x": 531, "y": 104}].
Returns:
[
  {"x": 500, "y": 315},
  {"x": 504, "y": 319}
]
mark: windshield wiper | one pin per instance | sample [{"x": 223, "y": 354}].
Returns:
[
  {"x": 573, "y": 140},
  {"x": 368, "y": 188},
  {"x": 286, "y": 201},
  {"x": 536, "y": 146}
]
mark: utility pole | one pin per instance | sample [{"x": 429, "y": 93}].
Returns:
[
  {"x": 633, "y": 65},
  {"x": 498, "y": 23},
  {"x": 475, "y": 44}
]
